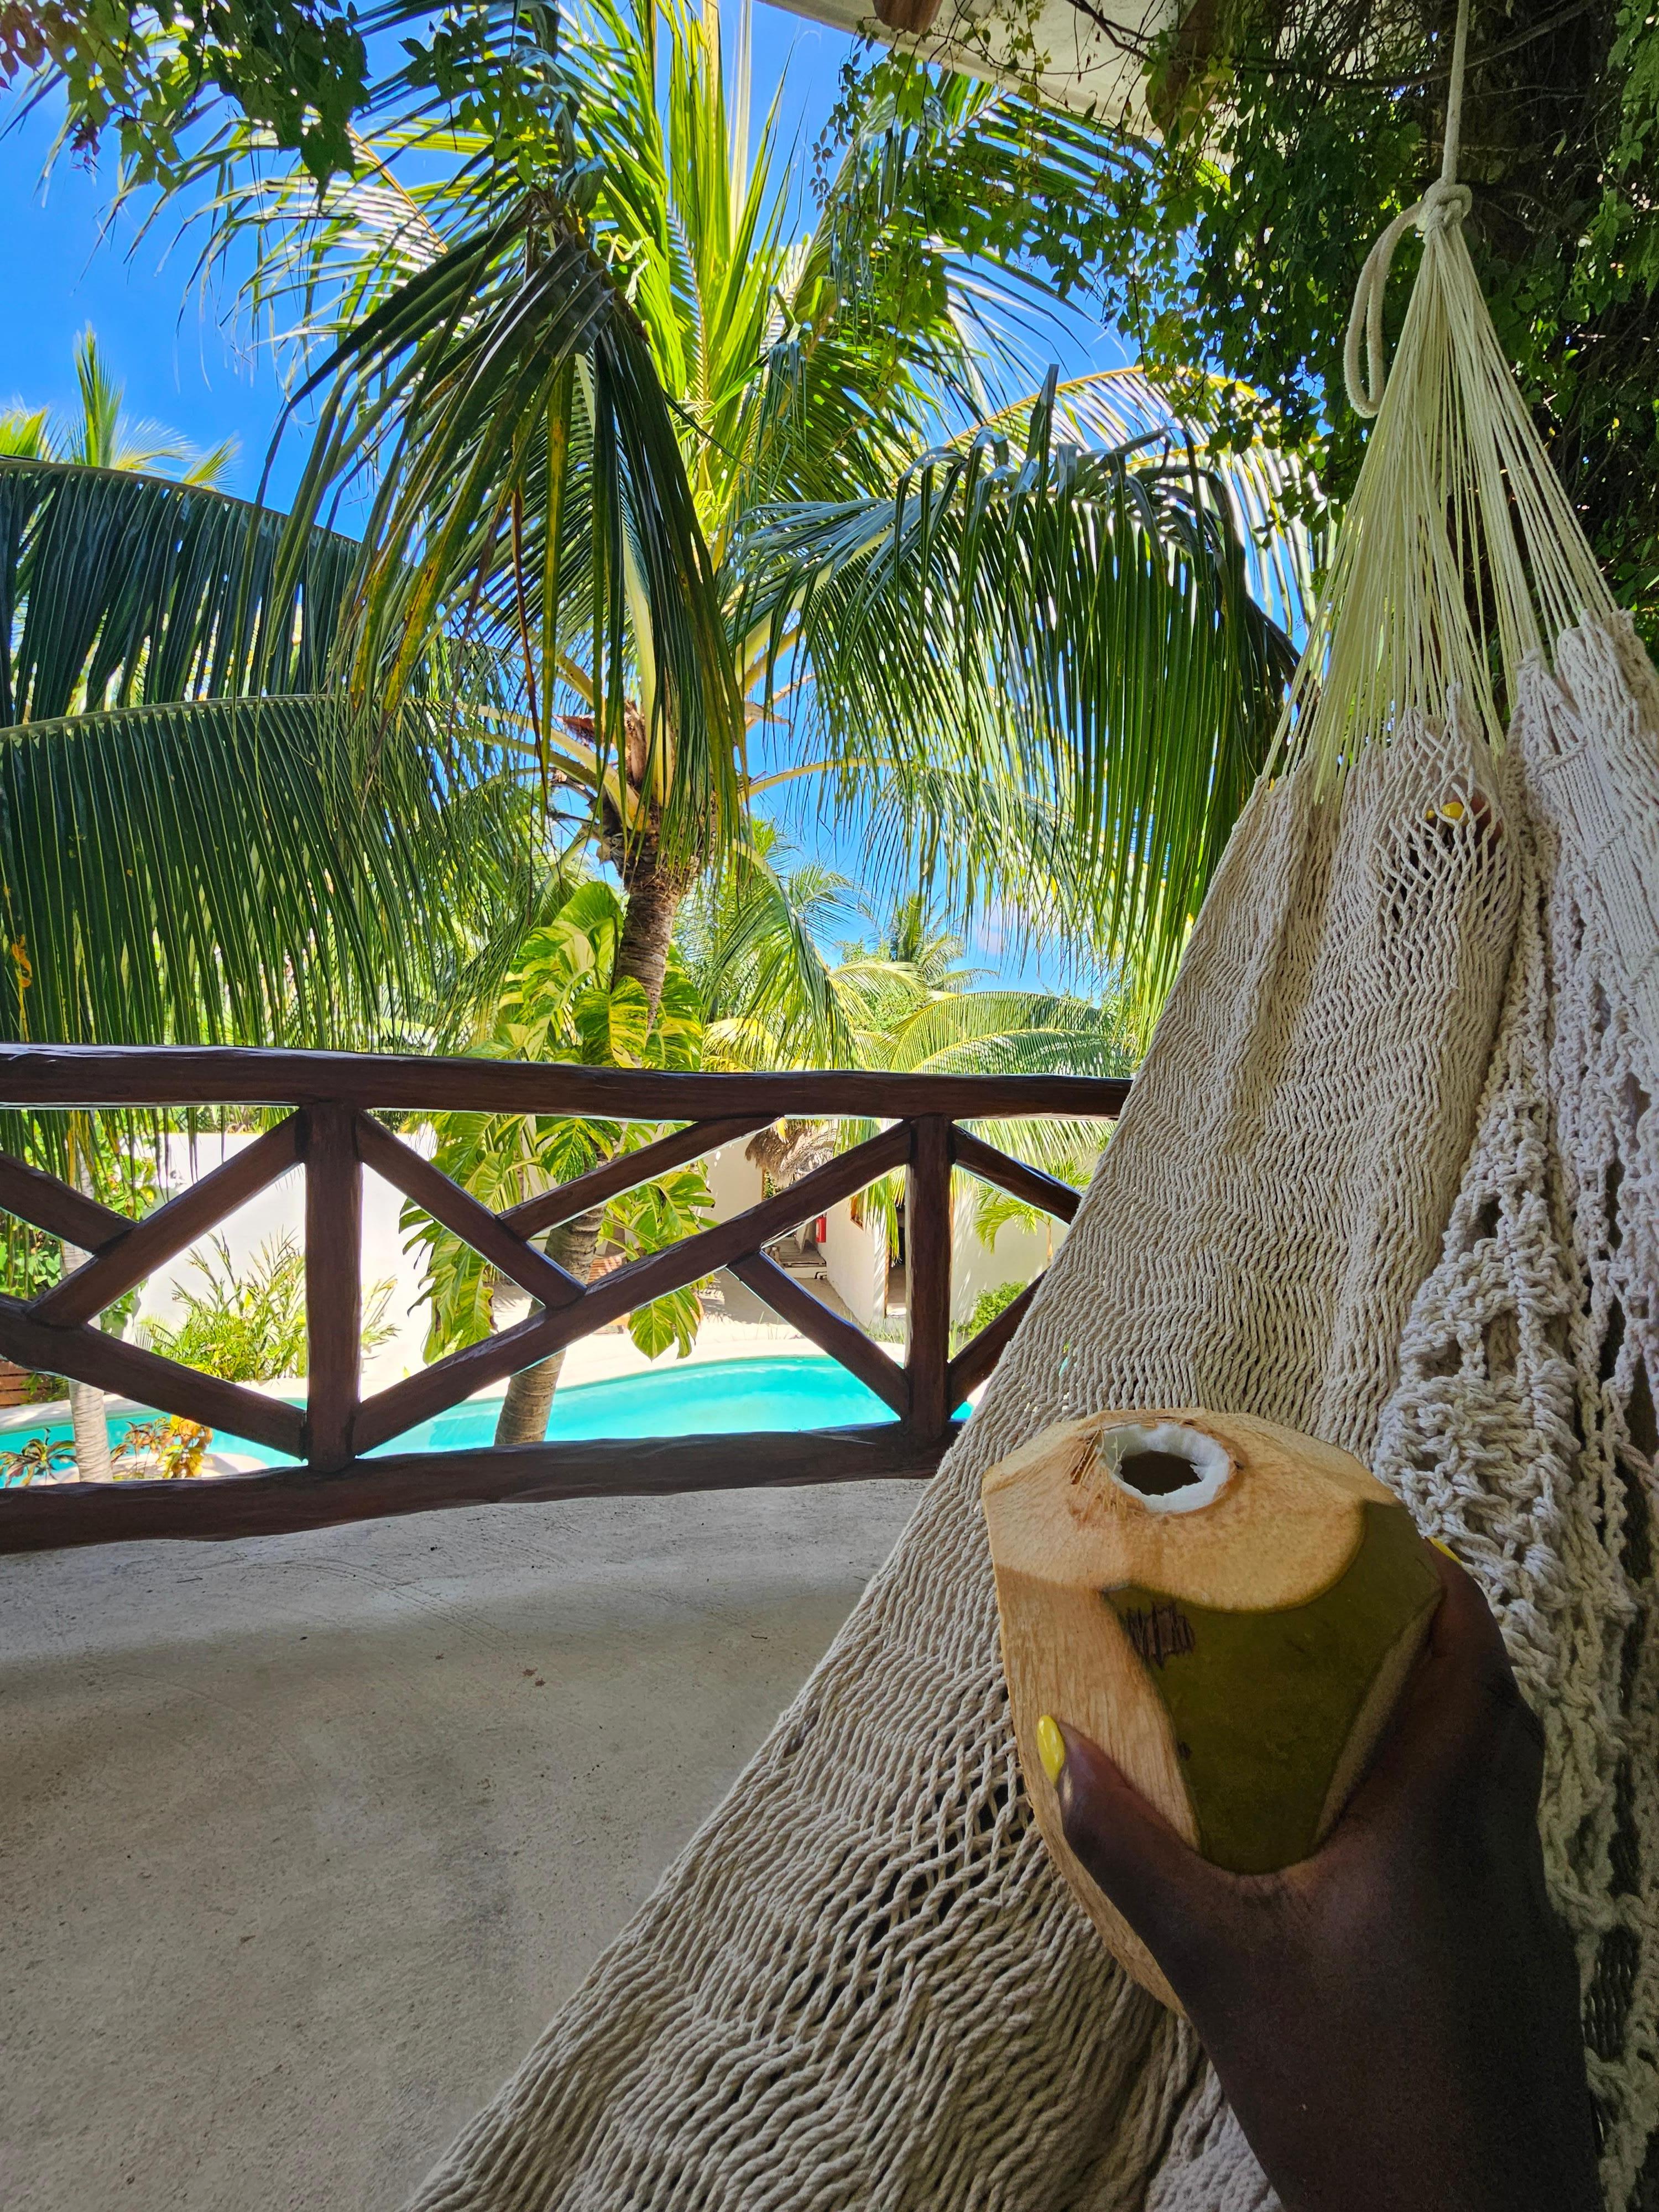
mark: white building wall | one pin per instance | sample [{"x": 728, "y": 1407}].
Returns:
[
  {"x": 855, "y": 1257},
  {"x": 280, "y": 1210},
  {"x": 735, "y": 1182},
  {"x": 1019, "y": 1255}
]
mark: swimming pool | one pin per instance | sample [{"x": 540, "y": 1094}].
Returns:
[{"x": 703, "y": 1397}]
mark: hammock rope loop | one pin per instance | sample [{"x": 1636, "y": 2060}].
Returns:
[{"x": 1445, "y": 202}]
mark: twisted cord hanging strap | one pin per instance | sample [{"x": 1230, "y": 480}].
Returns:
[{"x": 1445, "y": 202}]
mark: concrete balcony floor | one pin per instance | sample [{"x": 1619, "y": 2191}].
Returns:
[{"x": 303, "y": 1841}]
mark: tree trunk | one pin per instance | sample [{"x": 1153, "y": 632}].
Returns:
[
  {"x": 89, "y": 1418},
  {"x": 529, "y": 1400},
  {"x": 654, "y": 890}
]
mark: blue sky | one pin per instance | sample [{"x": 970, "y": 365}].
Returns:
[
  {"x": 66, "y": 267},
  {"x": 184, "y": 366}
]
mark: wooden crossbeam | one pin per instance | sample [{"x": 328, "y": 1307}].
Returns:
[
  {"x": 192, "y": 1075},
  {"x": 143, "y": 1245},
  {"x": 334, "y": 1283},
  {"x": 1028, "y": 1184},
  {"x": 44, "y": 1518},
  {"x": 46, "y": 1203},
  {"x": 627, "y": 1171},
  {"x": 487, "y": 1233},
  {"x": 980, "y": 1353},
  {"x": 433, "y": 1390},
  {"x": 928, "y": 1241},
  {"x": 91, "y": 1356},
  {"x": 855, "y": 1351}
]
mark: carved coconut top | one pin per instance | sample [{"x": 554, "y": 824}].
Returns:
[{"x": 1223, "y": 1509}]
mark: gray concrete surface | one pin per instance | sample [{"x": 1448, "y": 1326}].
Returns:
[{"x": 301, "y": 1842}]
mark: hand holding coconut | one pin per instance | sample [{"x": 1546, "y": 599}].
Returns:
[{"x": 1394, "y": 2011}]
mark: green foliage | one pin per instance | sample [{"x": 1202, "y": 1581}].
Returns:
[
  {"x": 298, "y": 67},
  {"x": 234, "y": 869},
  {"x": 546, "y": 234},
  {"x": 171, "y": 1448},
  {"x": 197, "y": 845},
  {"x": 36, "y": 1455},
  {"x": 1077, "y": 615},
  {"x": 1229, "y": 243},
  {"x": 122, "y": 590},
  {"x": 562, "y": 1001},
  {"x": 989, "y": 1303},
  {"x": 102, "y": 437},
  {"x": 109, "y": 1156},
  {"x": 250, "y": 1327}
]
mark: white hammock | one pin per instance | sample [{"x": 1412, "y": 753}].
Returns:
[{"x": 1390, "y": 1175}]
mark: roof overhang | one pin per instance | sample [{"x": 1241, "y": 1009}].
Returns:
[{"x": 1087, "y": 56}]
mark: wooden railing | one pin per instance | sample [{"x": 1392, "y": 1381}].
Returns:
[{"x": 330, "y": 1132}]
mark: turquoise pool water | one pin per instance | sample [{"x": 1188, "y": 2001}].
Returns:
[{"x": 706, "y": 1398}]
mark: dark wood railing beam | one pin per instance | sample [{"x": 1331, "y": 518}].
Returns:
[
  {"x": 45, "y": 1203},
  {"x": 426, "y": 1482},
  {"x": 458, "y": 1211},
  {"x": 92, "y": 1075},
  {"x": 1020, "y": 1181},
  {"x": 444, "y": 1384},
  {"x": 854, "y": 1351},
  {"x": 928, "y": 1240},
  {"x": 627, "y": 1171},
  {"x": 334, "y": 1283},
  {"x": 980, "y": 1353},
  {"x": 91, "y": 1356},
  {"x": 348, "y": 1471}
]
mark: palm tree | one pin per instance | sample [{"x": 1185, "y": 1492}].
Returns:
[
  {"x": 562, "y": 998},
  {"x": 102, "y": 437},
  {"x": 196, "y": 843},
  {"x": 656, "y": 452},
  {"x": 640, "y": 449},
  {"x": 636, "y": 454}
]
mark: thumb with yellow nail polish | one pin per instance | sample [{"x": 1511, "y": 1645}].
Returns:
[{"x": 1051, "y": 1746}]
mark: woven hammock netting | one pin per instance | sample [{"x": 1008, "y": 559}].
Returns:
[{"x": 1390, "y": 1173}]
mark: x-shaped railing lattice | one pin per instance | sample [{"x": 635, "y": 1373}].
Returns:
[{"x": 333, "y": 1135}]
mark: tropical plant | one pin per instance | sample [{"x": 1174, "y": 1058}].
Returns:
[
  {"x": 171, "y": 1448},
  {"x": 902, "y": 1001},
  {"x": 1227, "y": 240},
  {"x": 987, "y": 1306},
  {"x": 199, "y": 842},
  {"x": 564, "y": 999},
  {"x": 101, "y": 437},
  {"x": 36, "y": 1456},
  {"x": 248, "y": 1324},
  {"x": 605, "y": 388}
]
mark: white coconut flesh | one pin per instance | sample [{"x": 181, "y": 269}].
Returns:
[{"x": 1167, "y": 1466}]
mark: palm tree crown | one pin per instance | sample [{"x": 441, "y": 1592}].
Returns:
[
  {"x": 677, "y": 468},
  {"x": 102, "y": 436}
]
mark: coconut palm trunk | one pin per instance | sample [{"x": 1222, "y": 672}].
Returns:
[
  {"x": 655, "y": 891},
  {"x": 529, "y": 1400},
  {"x": 88, "y": 1415}
]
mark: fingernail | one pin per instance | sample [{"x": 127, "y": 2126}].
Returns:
[{"x": 1051, "y": 1746}]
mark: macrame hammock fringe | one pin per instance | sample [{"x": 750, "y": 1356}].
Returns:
[{"x": 1390, "y": 1173}]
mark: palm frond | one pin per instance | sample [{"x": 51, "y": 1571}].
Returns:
[
  {"x": 119, "y": 590},
  {"x": 529, "y": 479},
  {"x": 1075, "y": 623},
  {"x": 235, "y": 871}
]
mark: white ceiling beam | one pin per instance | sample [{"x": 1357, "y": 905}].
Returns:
[{"x": 1080, "y": 63}]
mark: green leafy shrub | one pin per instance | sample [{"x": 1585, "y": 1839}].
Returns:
[
  {"x": 252, "y": 1328},
  {"x": 987, "y": 1306}
]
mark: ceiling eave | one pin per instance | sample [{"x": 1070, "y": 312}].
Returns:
[{"x": 1080, "y": 64}]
